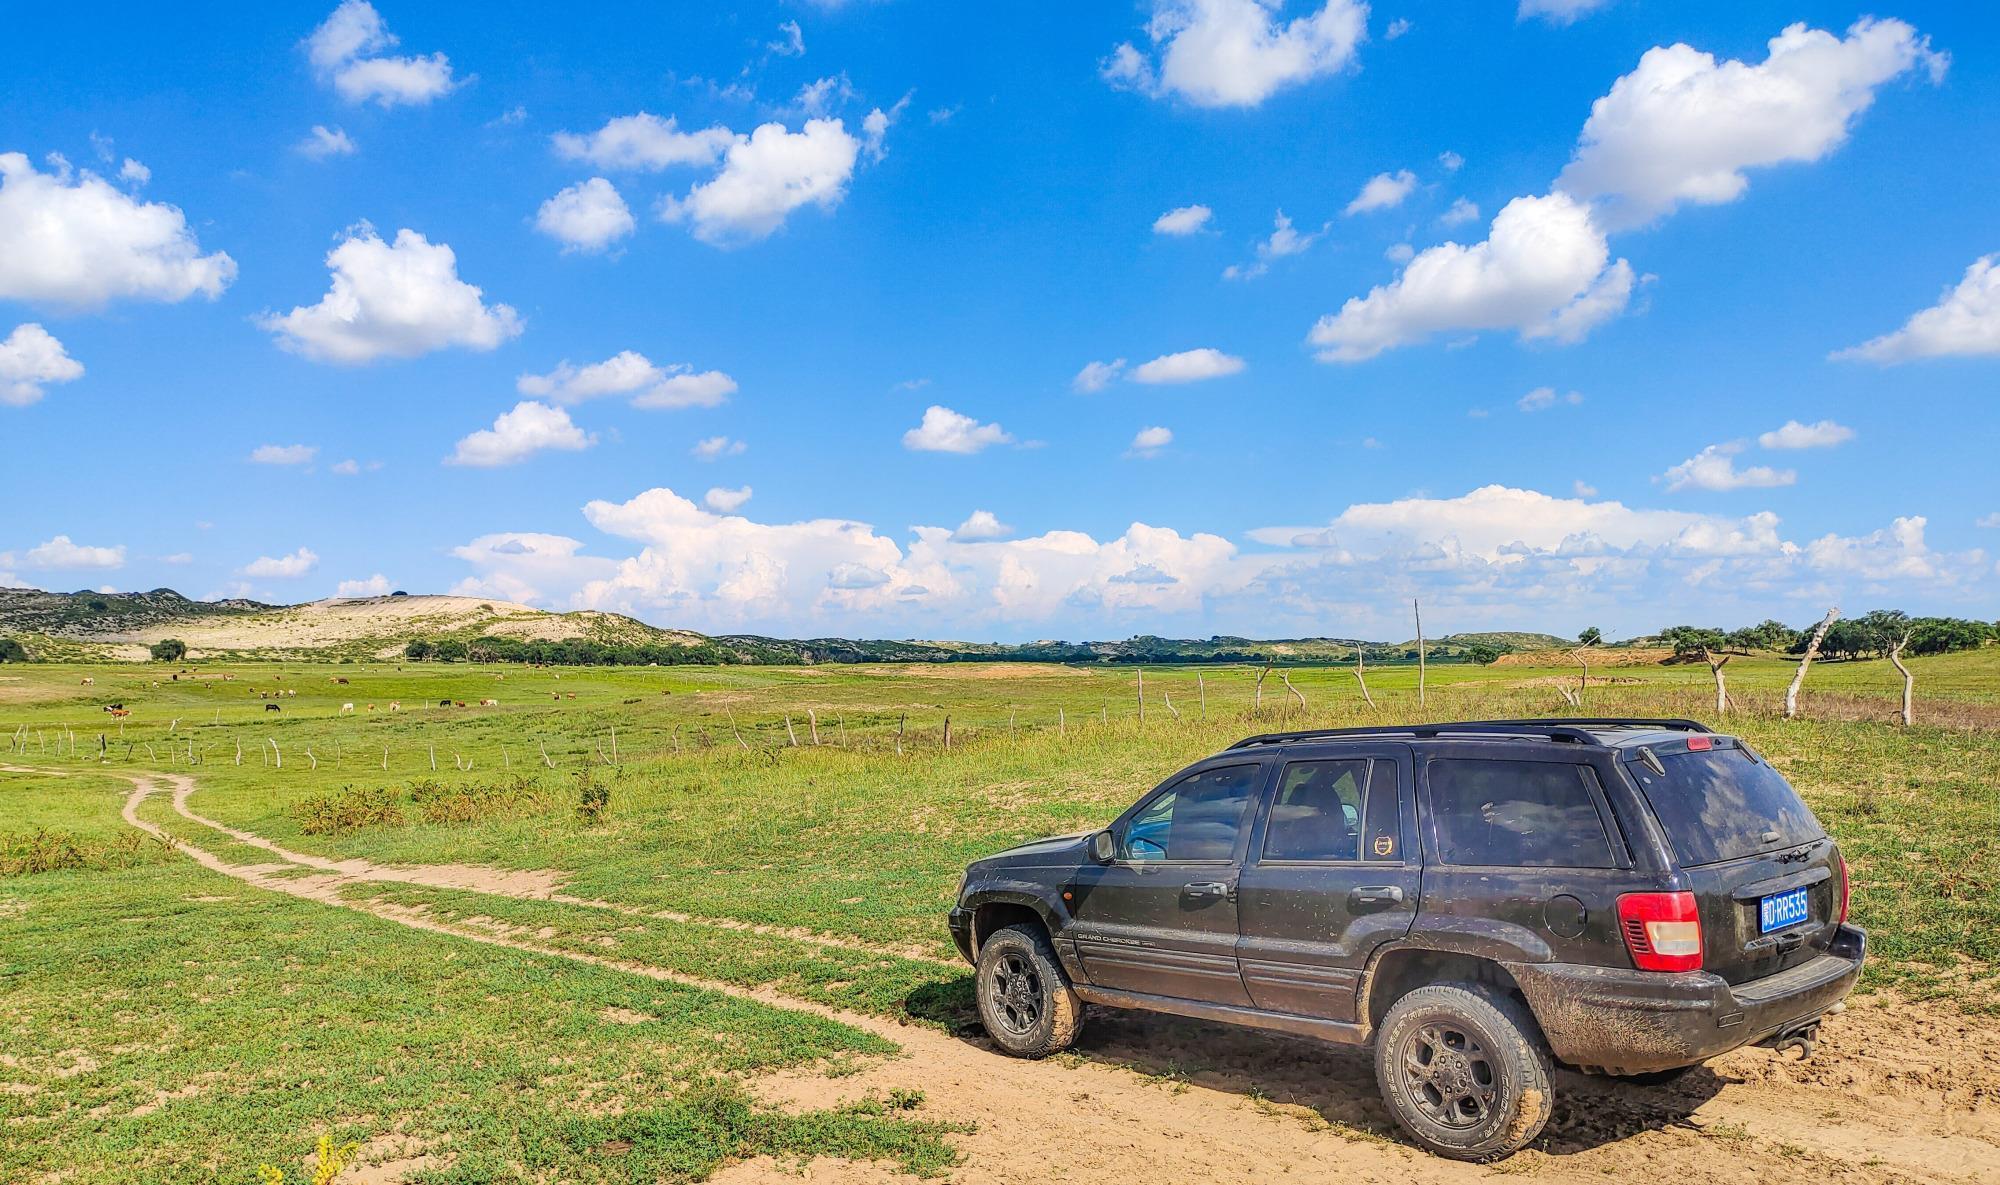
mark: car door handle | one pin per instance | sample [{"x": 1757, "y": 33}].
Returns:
[
  {"x": 1208, "y": 890},
  {"x": 1375, "y": 895}
]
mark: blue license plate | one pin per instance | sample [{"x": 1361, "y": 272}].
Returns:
[{"x": 1781, "y": 909}]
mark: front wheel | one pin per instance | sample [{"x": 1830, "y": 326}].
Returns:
[
  {"x": 1464, "y": 1071},
  {"x": 1025, "y": 999}
]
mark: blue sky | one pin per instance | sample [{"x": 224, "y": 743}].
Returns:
[{"x": 1554, "y": 283}]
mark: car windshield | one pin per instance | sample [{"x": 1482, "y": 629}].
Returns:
[{"x": 1723, "y": 804}]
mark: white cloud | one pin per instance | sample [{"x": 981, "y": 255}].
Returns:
[
  {"x": 61, "y": 552},
  {"x": 1989, "y": 521},
  {"x": 374, "y": 586},
  {"x": 1188, "y": 366},
  {"x": 726, "y": 501},
  {"x": 134, "y": 172},
  {"x": 979, "y": 526},
  {"x": 1584, "y": 489},
  {"x": 1462, "y": 210},
  {"x": 644, "y": 141},
  {"x": 1683, "y": 127},
  {"x": 337, "y": 50},
  {"x": 321, "y": 143},
  {"x": 1558, "y": 12},
  {"x": 1095, "y": 376},
  {"x": 631, "y": 373},
  {"x": 284, "y": 567},
  {"x": 284, "y": 454},
  {"x": 1897, "y": 553},
  {"x": 1397, "y": 28},
  {"x": 822, "y": 95},
  {"x": 765, "y": 176},
  {"x": 392, "y": 301},
  {"x": 588, "y": 216},
  {"x": 946, "y": 431},
  {"x": 1150, "y": 441},
  {"x": 1284, "y": 240},
  {"x": 74, "y": 240},
  {"x": 875, "y": 128},
  {"x": 1964, "y": 322},
  {"x": 1543, "y": 398},
  {"x": 791, "y": 41},
  {"x": 348, "y": 468},
  {"x": 1182, "y": 220},
  {"x": 31, "y": 357},
  {"x": 1794, "y": 435},
  {"x": 1383, "y": 191},
  {"x": 1235, "y": 53},
  {"x": 1543, "y": 271},
  {"x": 1450, "y": 162},
  {"x": 716, "y": 447},
  {"x": 1399, "y": 253},
  {"x": 519, "y": 434},
  {"x": 1714, "y": 468}
]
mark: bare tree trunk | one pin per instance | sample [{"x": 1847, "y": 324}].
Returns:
[
  {"x": 1715, "y": 666},
  {"x": 1812, "y": 652},
  {"x": 1168, "y": 699},
  {"x": 1583, "y": 688},
  {"x": 947, "y": 733},
  {"x": 1261, "y": 676},
  {"x": 1062, "y": 723},
  {"x": 790, "y": 731},
  {"x": 1286, "y": 676},
  {"x": 1142, "y": 695},
  {"x": 1909, "y": 680},
  {"x": 812, "y": 722},
  {"x": 1201, "y": 689},
  {"x": 1361, "y": 677},
  {"x": 1418, "y": 610}
]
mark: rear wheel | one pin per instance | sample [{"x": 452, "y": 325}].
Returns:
[
  {"x": 1464, "y": 1071},
  {"x": 1025, "y": 999}
]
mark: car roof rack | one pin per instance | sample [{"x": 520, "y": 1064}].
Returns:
[{"x": 1572, "y": 730}]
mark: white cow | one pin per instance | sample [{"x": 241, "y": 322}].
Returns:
[{"x": 347, "y": 709}]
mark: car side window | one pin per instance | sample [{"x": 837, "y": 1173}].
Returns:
[
  {"x": 1197, "y": 818},
  {"x": 1516, "y": 814},
  {"x": 1335, "y": 811}
]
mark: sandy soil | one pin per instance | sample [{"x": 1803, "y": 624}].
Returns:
[
  {"x": 1900, "y": 1092},
  {"x": 1599, "y": 658}
]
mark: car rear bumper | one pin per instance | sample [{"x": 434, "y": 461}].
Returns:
[{"x": 1629, "y": 1022}]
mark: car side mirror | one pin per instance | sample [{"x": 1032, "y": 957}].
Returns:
[{"x": 1104, "y": 846}]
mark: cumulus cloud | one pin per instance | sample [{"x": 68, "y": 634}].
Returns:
[
  {"x": 629, "y": 372},
  {"x": 764, "y": 177},
  {"x": 340, "y": 51},
  {"x": 134, "y": 172},
  {"x": 1236, "y": 53},
  {"x": 1897, "y": 553},
  {"x": 1462, "y": 211},
  {"x": 1383, "y": 191},
  {"x": 1683, "y": 127},
  {"x": 519, "y": 434},
  {"x": 946, "y": 431},
  {"x": 72, "y": 239},
  {"x": 284, "y": 454},
  {"x": 322, "y": 142},
  {"x": 1543, "y": 398},
  {"x": 1149, "y": 441},
  {"x": 283, "y": 567},
  {"x": 1794, "y": 435},
  {"x": 62, "y": 552},
  {"x": 875, "y": 128},
  {"x": 588, "y": 216},
  {"x": 1188, "y": 366},
  {"x": 979, "y": 526},
  {"x": 30, "y": 358},
  {"x": 1095, "y": 376},
  {"x": 1284, "y": 240},
  {"x": 791, "y": 41},
  {"x": 372, "y": 586},
  {"x": 645, "y": 142},
  {"x": 1182, "y": 220},
  {"x": 1544, "y": 271},
  {"x": 1557, "y": 12},
  {"x": 1714, "y": 468},
  {"x": 1965, "y": 322},
  {"x": 723, "y": 500},
  {"x": 395, "y": 300},
  {"x": 716, "y": 447}
]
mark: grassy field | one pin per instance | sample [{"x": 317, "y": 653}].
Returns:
[{"x": 167, "y": 1023}]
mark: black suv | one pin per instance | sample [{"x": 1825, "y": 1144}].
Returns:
[{"x": 1480, "y": 901}]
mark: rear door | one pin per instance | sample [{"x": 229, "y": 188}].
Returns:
[
  {"x": 1765, "y": 876},
  {"x": 1161, "y": 918},
  {"x": 1331, "y": 875}
]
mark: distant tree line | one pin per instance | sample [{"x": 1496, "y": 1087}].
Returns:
[
  {"x": 578, "y": 652},
  {"x": 1873, "y": 634}
]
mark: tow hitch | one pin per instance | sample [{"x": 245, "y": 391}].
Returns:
[{"x": 1803, "y": 1037}]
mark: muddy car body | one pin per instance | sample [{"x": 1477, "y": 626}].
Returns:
[{"x": 1479, "y": 901}]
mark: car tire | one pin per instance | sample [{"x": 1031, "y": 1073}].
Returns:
[
  {"x": 1025, "y": 999},
  {"x": 1464, "y": 1070}
]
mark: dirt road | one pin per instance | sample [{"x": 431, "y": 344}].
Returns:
[{"x": 1899, "y": 1092}]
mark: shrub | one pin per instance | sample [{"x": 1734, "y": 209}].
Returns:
[
  {"x": 352, "y": 808},
  {"x": 436, "y": 802},
  {"x": 12, "y": 651},
  {"x": 593, "y": 797},
  {"x": 169, "y": 650},
  {"x": 42, "y": 850}
]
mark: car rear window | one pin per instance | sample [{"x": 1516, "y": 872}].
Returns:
[{"x": 1724, "y": 804}]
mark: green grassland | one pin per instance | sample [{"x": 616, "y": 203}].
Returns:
[{"x": 253, "y": 1021}]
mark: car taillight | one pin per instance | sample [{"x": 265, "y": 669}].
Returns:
[
  {"x": 1846, "y": 888},
  {"x": 1661, "y": 930}
]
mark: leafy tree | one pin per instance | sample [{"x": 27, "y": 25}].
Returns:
[
  {"x": 1690, "y": 642},
  {"x": 418, "y": 650},
  {"x": 11, "y": 650},
  {"x": 1765, "y": 635},
  {"x": 1591, "y": 637},
  {"x": 169, "y": 650},
  {"x": 1943, "y": 635},
  {"x": 1482, "y": 653},
  {"x": 449, "y": 650}
]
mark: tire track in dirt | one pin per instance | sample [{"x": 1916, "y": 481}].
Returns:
[{"x": 1271, "y": 1109}]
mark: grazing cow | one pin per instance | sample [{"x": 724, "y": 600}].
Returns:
[
  {"x": 444, "y": 703},
  {"x": 339, "y": 680},
  {"x": 489, "y": 703},
  {"x": 89, "y": 682},
  {"x": 395, "y": 705},
  {"x": 347, "y": 709},
  {"x": 371, "y": 707},
  {"x": 291, "y": 691},
  {"x": 273, "y": 708},
  {"x": 119, "y": 711},
  {"x": 458, "y": 703},
  {"x": 114, "y": 707}
]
